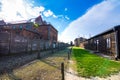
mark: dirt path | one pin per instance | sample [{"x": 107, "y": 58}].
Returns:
[
  {"x": 47, "y": 68},
  {"x": 72, "y": 76}
]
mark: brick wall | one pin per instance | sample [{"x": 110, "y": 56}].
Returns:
[{"x": 100, "y": 43}]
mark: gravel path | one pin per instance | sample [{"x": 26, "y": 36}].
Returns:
[
  {"x": 10, "y": 62},
  {"x": 47, "y": 68}
]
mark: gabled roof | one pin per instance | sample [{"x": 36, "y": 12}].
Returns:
[
  {"x": 2, "y": 22},
  {"x": 39, "y": 20},
  {"x": 19, "y": 22},
  {"x": 107, "y": 31}
]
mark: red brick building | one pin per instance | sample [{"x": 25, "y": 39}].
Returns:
[
  {"x": 77, "y": 41},
  {"x": 23, "y": 35},
  {"x": 18, "y": 37},
  {"x": 47, "y": 31}
]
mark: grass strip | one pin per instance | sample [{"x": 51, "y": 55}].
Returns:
[{"x": 89, "y": 64}]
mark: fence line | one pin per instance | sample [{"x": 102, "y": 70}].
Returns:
[{"x": 15, "y": 43}]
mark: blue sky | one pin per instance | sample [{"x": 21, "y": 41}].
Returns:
[
  {"x": 71, "y": 8},
  {"x": 67, "y": 10},
  {"x": 72, "y": 18}
]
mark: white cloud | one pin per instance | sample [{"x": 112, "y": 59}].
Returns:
[
  {"x": 97, "y": 19},
  {"x": 66, "y": 17},
  {"x": 54, "y": 16},
  {"x": 65, "y": 9},
  {"x": 12, "y": 10},
  {"x": 48, "y": 13}
]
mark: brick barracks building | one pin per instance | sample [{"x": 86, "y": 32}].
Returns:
[
  {"x": 48, "y": 32},
  {"x": 19, "y": 35}
]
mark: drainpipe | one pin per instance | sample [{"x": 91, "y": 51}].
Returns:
[
  {"x": 116, "y": 45},
  {"x": 9, "y": 42}
]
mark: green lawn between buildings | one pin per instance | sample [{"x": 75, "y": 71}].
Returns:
[{"x": 89, "y": 64}]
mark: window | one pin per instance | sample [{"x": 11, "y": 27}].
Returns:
[
  {"x": 97, "y": 42},
  {"x": 97, "y": 45},
  {"x": 94, "y": 42},
  {"x": 28, "y": 26},
  {"x": 21, "y": 27},
  {"x": 108, "y": 42},
  {"x": 14, "y": 27}
]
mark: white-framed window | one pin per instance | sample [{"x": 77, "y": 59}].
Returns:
[
  {"x": 97, "y": 42},
  {"x": 108, "y": 42},
  {"x": 97, "y": 45}
]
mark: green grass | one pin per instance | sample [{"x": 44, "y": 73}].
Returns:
[{"x": 89, "y": 64}]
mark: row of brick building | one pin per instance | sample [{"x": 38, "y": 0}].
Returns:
[
  {"x": 107, "y": 42},
  {"x": 26, "y": 35}
]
